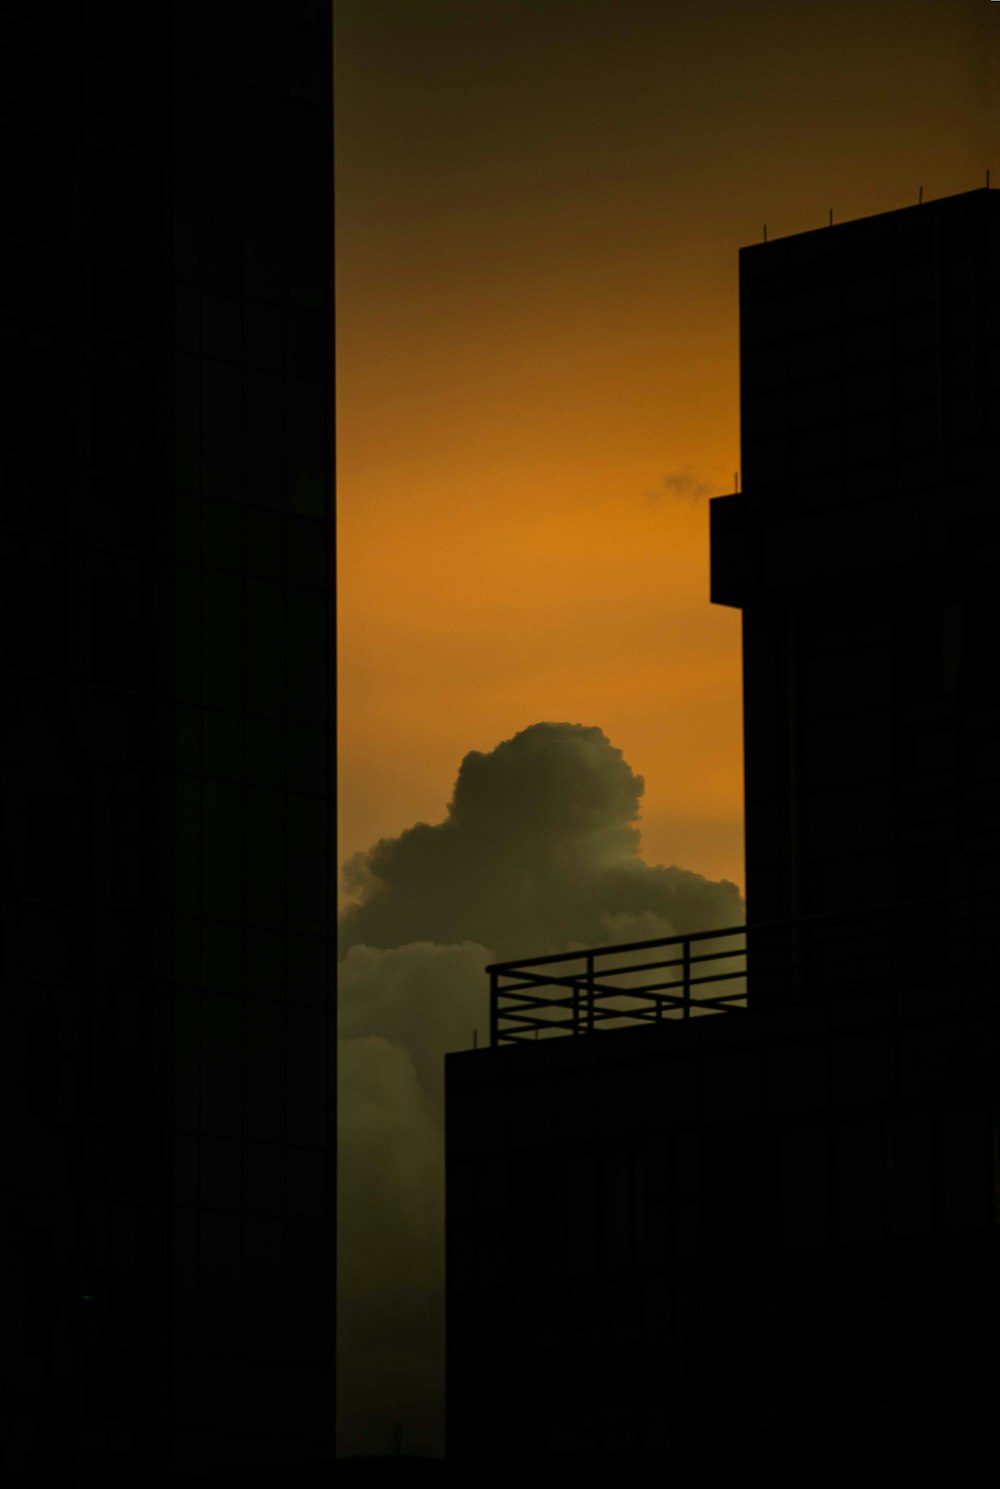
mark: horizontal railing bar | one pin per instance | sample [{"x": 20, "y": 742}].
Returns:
[
  {"x": 716, "y": 977},
  {"x": 844, "y": 953},
  {"x": 599, "y": 989},
  {"x": 565, "y": 956},
  {"x": 573, "y": 979},
  {"x": 718, "y": 956},
  {"x": 893, "y": 907},
  {"x": 516, "y": 1013},
  {"x": 601, "y": 1015},
  {"x": 525, "y": 1024},
  {"x": 571, "y": 984},
  {"x": 578, "y": 987},
  {"x": 582, "y": 979},
  {"x": 830, "y": 951},
  {"x": 582, "y": 984},
  {"x": 701, "y": 1004},
  {"x": 650, "y": 1010},
  {"x": 655, "y": 992},
  {"x": 642, "y": 998},
  {"x": 648, "y": 1014}
]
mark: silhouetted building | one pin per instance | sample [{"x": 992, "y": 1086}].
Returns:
[
  {"x": 167, "y": 741},
  {"x": 758, "y": 1228},
  {"x": 863, "y": 553}
]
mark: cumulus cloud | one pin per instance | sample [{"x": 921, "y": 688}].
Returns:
[
  {"x": 422, "y": 997},
  {"x": 539, "y": 852},
  {"x": 389, "y": 1263},
  {"x": 399, "y": 1010}
]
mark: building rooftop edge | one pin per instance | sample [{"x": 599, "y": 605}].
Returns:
[{"x": 893, "y": 212}]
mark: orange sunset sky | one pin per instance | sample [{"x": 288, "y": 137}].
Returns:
[{"x": 540, "y": 205}]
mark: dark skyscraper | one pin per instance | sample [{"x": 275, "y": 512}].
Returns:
[
  {"x": 758, "y": 1228},
  {"x": 166, "y": 706},
  {"x": 861, "y": 553}
]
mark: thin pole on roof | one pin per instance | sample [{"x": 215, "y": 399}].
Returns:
[
  {"x": 920, "y": 197},
  {"x": 830, "y": 224}
]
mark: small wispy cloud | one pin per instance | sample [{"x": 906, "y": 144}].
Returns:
[{"x": 679, "y": 485}]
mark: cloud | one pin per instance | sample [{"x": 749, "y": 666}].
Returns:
[
  {"x": 389, "y": 1255},
  {"x": 425, "y": 998},
  {"x": 399, "y": 1010},
  {"x": 680, "y": 485},
  {"x": 539, "y": 852}
]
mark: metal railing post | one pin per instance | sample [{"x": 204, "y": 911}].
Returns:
[
  {"x": 590, "y": 992},
  {"x": 687, "y": 976}
]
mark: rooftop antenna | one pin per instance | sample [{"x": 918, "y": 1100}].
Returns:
[
  {"x": 920, "y": 197},
  {"x": 736, "y": 480},
  {"x": 830, "y": 223}
]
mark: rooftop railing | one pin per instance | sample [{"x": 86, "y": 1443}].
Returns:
[{"x": 909, "y": 944}]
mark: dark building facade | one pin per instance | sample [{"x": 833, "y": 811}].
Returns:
[
  {"x": 166, "y": 702},
  {"x": 862, "y": 552},
  {"x": 758, "y": 1228}
]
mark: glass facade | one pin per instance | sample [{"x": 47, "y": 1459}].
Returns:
[{"x": 167, "y": 707}]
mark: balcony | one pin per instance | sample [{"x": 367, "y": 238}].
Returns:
[{"x": 909, "y": 948}]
